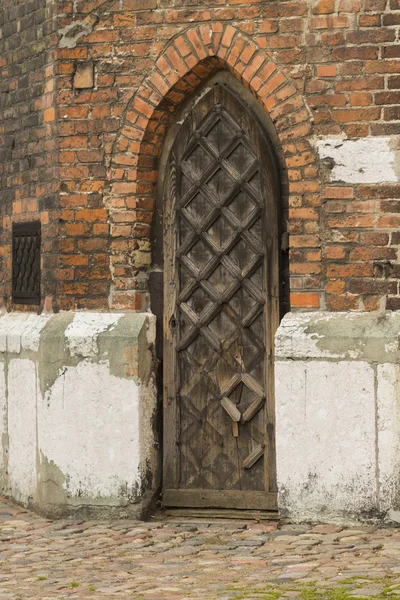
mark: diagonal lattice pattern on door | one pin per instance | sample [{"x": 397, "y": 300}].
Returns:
[{"x": 221, "y": 298}]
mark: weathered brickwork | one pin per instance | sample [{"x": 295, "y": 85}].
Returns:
[
  {"x": 28, "y": 140},
  {"x": 323, "y": 70}
]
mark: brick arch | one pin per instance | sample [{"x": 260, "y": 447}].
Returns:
[{"x": 189, "y": 59}]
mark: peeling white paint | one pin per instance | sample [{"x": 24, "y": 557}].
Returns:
[
  {"x": 89, "y": 426},
  {"x": 83, "y": 332},
  {"x": 293, "y": 339},
  {"x": 365, "y": 160}
]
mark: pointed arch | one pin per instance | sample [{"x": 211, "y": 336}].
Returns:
[{"x": 189, "y": 59}]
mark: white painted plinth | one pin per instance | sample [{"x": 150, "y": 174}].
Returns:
[
  {"x": 338, "y": 416},
  {"x": 77, "y": 404}
]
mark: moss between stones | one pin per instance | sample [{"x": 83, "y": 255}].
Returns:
[{"x": 343, "y": 590}]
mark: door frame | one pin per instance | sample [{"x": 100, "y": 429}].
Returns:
[{"x": 266, "y": 126}]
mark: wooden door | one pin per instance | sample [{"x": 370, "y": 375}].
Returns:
[{"x": 221, "y": 309}]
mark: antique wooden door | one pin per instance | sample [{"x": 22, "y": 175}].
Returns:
[{"x": 221, "y": 309}]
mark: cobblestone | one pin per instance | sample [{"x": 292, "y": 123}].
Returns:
[{"x": 173, "y": 560}]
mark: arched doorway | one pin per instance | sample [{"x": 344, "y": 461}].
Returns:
[{"x": 221, "y": 308}]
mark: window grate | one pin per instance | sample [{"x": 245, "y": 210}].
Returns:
[{"x": 26, "y": 263}]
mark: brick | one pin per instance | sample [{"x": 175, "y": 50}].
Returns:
[
  {"x": 380, "y": 191},
  {"x": 324, "y": 7},
  {"x": 49, "y": 115},
  {"x": 339, "y": 192},
  {"x": 394, "y": 83},
  {"x": 328, "y": 22},
  {"x": 391, "y": 19},
  {"x": 75, "y": 229},
  {"x": 75, "y": 112},
  {"x": 371, "y": 286},
  {"x": 389, "y": 221},
  {"x": 139, "y": 4},
  {"x": 349, "y": 6},
  {"x": 335, "y": 286},
  {"x": 376, "y": 238},
  {"x": 391, "y": 113},
  {"x": 327, "y": 71},
  {"x": 350, "y": 270},
  {"x": 387, "y": 98},
  {"x": 369, "y": 20},
  {"x": 361, "y": 114},
  {"x": 368, "y": 254},
  {"x": 335, "y": 252},
  {"x": 91, "y": 215},
  {"x": 360, "y": 99},
  {"x": 348, "y": 221},
  {"x": 382, "y": 66},
  {"x": 228, "y": 36},
  {"x": 304, "y": 300},
  {"x": 342, "y": 302},
  {"x": 393, "y": 304}
]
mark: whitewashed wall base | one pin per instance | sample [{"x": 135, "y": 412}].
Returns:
[
  {"x": 77, "y": 408},
  {"x": 338, "y": 416}
]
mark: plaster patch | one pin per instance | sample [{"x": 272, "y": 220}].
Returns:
[
  {"x": 365, "y": 160},
  {"x": 88, "y": 426},
  {"x": 82, "y": 333},
  {"x": 70, "y": 34}
]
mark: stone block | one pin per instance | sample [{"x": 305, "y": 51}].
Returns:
[{"x": 84, "y": 76}]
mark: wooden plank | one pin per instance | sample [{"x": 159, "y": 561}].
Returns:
[
  {"x": 252, "y": 384},
  {"x": 253, "y": 409},
  {"x": 253, "y": 457},
  {"x": 231, "y": 409},
  {"x": 171, "y": 458},
  {"x": 196, "y": 514},
  {"x": 220, "y": 499}
]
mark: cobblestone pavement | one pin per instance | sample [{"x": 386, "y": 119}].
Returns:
[{"x": 173, "y": 560}]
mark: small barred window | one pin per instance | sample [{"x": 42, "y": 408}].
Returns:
[{"x": 26, "y": 263}]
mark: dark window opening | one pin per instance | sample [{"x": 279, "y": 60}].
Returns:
[{"x": 26, "y": 263}]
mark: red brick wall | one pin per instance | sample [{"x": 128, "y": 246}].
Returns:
[
  {"x": 28, "y": 141},
  {"x": 319, "y": 68}
]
